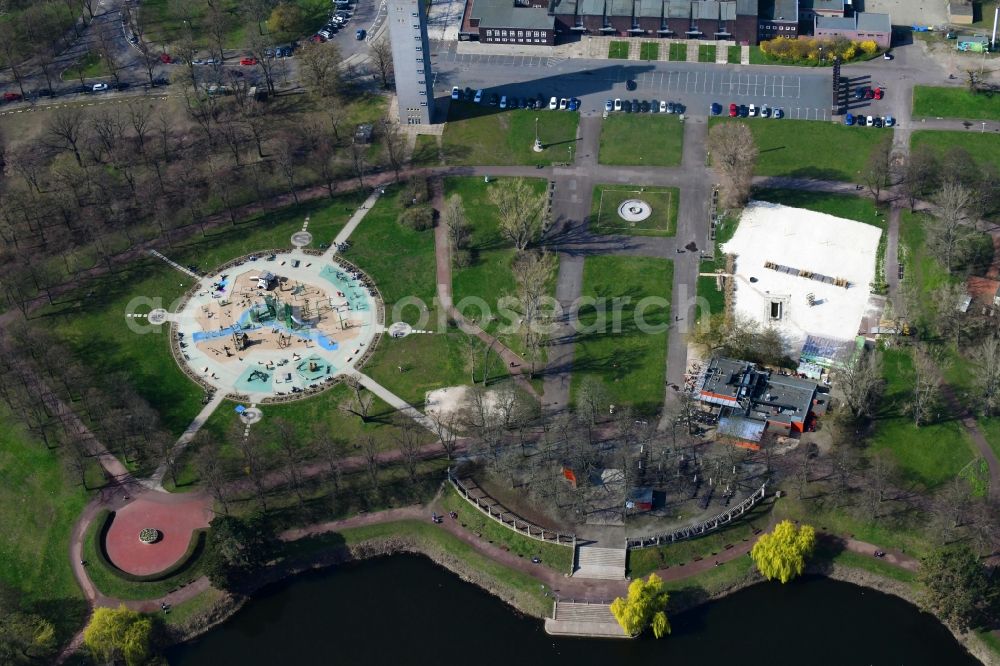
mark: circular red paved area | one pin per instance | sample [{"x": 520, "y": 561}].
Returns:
[{"x": 176, "y": 516}]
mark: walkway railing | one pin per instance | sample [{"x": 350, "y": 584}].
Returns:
[
  {"x": 709, "y": 525},
  {"x": 486, "y": 504}
]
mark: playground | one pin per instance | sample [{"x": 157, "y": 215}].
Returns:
[{"x": 277, "y": 325}]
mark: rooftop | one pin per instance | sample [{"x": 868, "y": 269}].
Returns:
[
  {"x": 755, "y": 394},
  {"x": 836, "y": 23},
  {"x": 871, "y": 22},
  {"x": 503, "y": 14},
  {"x": 778, "y": 10}
]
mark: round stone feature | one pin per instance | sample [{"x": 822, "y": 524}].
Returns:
[
  {"x": 634, "y": 210},
  {"x": 157, "y": 316},
  {"x": 149, "y": 535},
  {"x": 251, "y": 415},
  {"x": 400, "y": 329},
  {"x": 301, "y": 238}
]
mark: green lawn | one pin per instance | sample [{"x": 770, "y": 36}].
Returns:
[
  {"x": 757, "y": 57},
  {"x": 982, "y": 15},
  {"x": 649, "y": 51},
  {"x": 921, "y": 268},
  {"x": 706, "y": 53},
  {"x": 489, "y": 276},
  {"x": 991, "y": 431},
  {"x": 399, "y": 259},
  {"x": 427, "y": 151},
  {"x": 559, "y": 558},
  {"x": 479, "y": 134},
  {"x": 89, "y": 66},
  {"x": 707, "y": 287},
  {"x": 642, "y": 139},
  {"x": 929, "y": 455},
  {"x": 631, "y": 363},
  {"x": 678, "y": 51},
  {"x": 92, "y": 319},
  {"x": 428, "y": 362},
  {"x": 528, "y": 594},
  {"x": 735, "y": 55},
  {"x": 808, "y": 149},
  {"x": 932, "y": 102},
  {"x": 39, "y": 502},
  {"x": 860, "y": 209},
  {"x": 985, "y": 148},
  {"x": 618, "y": 50},
  {"x": 664, "y": 201}
]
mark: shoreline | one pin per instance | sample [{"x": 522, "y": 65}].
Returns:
[{"x": 373, "y": 548}]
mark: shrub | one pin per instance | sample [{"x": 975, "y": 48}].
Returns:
[
  {"x": 415, "y": 192},
  {"x": 868, "y": 46},
  {"x": 417, "y": 218}
]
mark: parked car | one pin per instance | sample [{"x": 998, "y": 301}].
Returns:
[
  {"x": 765, "y": 111},
  {"x": 618, "y": 104},
  {"x": 644, "y": 106},
  {"x": 869, "y": 93},
  {"x": 631, "y": 84},
  {"x": 359, "y": 34},
  {"x": 574, "y": 104},
  {"x": 887, "y": 56},
  {"x": 744, "y": 111},
  {"x": 663, "y": 106},
  {"x": 318, "y": 38},
  {"x": 671, "y": 107},
  {"x": 870, "y": 121},
  {"x": 99, "y": 87},
  {"x": 753, "y": 111},
  {"x": 165, "y": 58},
  {"x": 11, "y": 96},
  {"x": 494, "y": 99},
  {"x": 479, "y": 96},
  {"x": 654, "y": 106},
  {"x": 626, "y": 106},
  {"x": 470, "y": 94},
  {"x": 456, "y": 92},
  {"x": 248, "y": 62},
  {"x": 609, "y": 105},
  {"x": 889, "y": 121},
  {"x": 733, "y": 111},
  {"x": 715, "y": 108},
  {"x": 878, "y": 121},
  {"x": 860, "y": 92},
  {"x": 778, "y": 114},
  {"x": 879, "y": 93},
  {"x": 849, "y": 119},
  {"x": 503, "y": 102}
]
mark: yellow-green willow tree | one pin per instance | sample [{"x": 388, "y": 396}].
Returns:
[
  {"x": 645, "y": 605},
  {"x": 782, "y": 554}
]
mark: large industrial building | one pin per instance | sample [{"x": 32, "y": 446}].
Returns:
[
  {"x": 411, "y": 61},
  {"x": 546, "y": 22}
]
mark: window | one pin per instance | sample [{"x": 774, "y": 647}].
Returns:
[
  {"x": 520, "y": 33},
  {"x": 504, "y": 33},
  {"x": 489, "y": 33}
]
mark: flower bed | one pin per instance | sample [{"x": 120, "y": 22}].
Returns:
[{"x": 149, "y": 535}]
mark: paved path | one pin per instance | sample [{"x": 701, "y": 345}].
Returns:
[
  {"x": 156, "y": 480},
  {"x": 353, "y": 223},
  {"x": 394, "y": 400}
]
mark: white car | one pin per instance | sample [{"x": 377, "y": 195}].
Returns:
[
  {"x": 325, "y": 34},
  {"x": 98, "y": 87},
  {"x": 563, "y": 103},
  {"x": 479, "y": 96},
  {"x": 870, "y": 121},
  {"x": 503, "y": 102},
  {"x": 618, "y": 104},
  {"x": 663, "y": 106},
  {"x": 753, "y": 111},
  {"x": 455, "y": 92},
  {"x": 554, "y": 104},
  {"x": 765, "y": 111}
]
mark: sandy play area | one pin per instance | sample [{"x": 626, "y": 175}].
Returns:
[
  {"x": 276, "y": 325},
  {"x": 803, "y": 272},
  {"x": 449, "y": 401}
]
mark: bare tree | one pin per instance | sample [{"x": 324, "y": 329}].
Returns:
[
  {"x": 459, "y": 231},
  {"x": 921, "y": 173},
  {"x": 252, "y": 450},
  {"x": 519, "y": 209},
  {"x": 926, "y": 386},
  {"x": 734, "y": 155},
  {"x": 878, "y": 168},
  {"x": 319, "y": 69},
  {"x": 369, "y": 449},
  {"x": 877, "y": 479},
  {"x": 213, "y": 474},
  {"x": 360, "y": 403},
  {"x": 408, "y": 441},
  {"x": 381, "y": 54},
  {"x": 108, "y": 48},
  {"x": 533, "y": 273},
  {"x": 951, "y": 232},
  {"x": 860, "y": 379},
  {"x": 949, "y": 320},
  {"x": 444, "y": 428},
  {"x": 65, "y": 128},
  {"x": 394, "y": 144},
  {"x": 292, "y": 456},
  {"x": 986, "y": 372}
]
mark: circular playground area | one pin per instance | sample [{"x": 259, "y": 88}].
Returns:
[
  {"x": 152, "y": 534},
  {"x": 277, "y": 325}
]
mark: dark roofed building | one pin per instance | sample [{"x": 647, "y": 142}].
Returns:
[
  {"x": 690, "y": 19},
  {"x": 510, "y": 22},
  {"x": 810, "y": 8},
  {"x": 777, "y": 18},
  {"x": 753, "y": 401}
]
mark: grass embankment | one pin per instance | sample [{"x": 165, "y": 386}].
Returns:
[
  {"x": 678, "y": 52},
  {"x": 521, "y": 590},
  {"x": 480, "y": 134},
  {"x": 488, "y": 277},
  {"x": 607, "y": 198},
  {"x": 558, "y": 558},
  {"x": 629, "y": 361},
  {"x": 934, "y": 102},
  {"x": 807, "y": 149},
  {"x": 643, "y": 139},
  {"x": 649, "y": 51},
  {"x": 706, "y": 53},
  {"x": 39, "y": 503},
  {"x": 712, "y": 298},
  {"x": 618, "y": 50},
  {"x": 89, "y": 66}
]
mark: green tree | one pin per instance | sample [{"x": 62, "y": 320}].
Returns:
[
  {"x": 286, "y": 17},
  {"x": 957, "y": 588},
  {"x": 25, "y": 638},
  {"x": 118, "y": 634},
  {"x": 236, "y": 549},
  {"x": 645, "y": 605},
  {"x": 782, "y": 554}
]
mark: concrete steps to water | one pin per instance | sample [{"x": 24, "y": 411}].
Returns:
[
  {"x": 600, "y": 563},
  {"x": 583, "y": 619}
]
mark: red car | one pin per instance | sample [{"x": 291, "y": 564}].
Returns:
[
  {"x": 733, "y": 111},
  {"x": 878, "y": 93},
  {"x": 165, "y": 58},
  {"x": 248, "y": 61},
  {"x": 319, "y": 39},
  {"x": 11, "y": 96},
  {"x": 869, "y": 94}
]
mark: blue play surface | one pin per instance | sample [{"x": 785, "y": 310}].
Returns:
[{"x": 354, "y": 291}]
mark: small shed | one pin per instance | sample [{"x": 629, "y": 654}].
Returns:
[
  {"x": 960, "y": 12},
  {"x": 639, "y": 499}
]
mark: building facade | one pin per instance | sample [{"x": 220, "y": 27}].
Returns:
[
  {"x": 863, "y": 26},
  {"x": 777, "y": 18},
  {"x": 675, "y": 19},
  {"x": 510, "y": 22},
  {"x": 411, "y": 61}
]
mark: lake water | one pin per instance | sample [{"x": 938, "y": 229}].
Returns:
[{"x": 406, "y": 610}]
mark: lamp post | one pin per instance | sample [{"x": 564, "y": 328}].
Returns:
[
  {"x": 821, "y": 55},
  {"x": 538, "y": 142}
]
